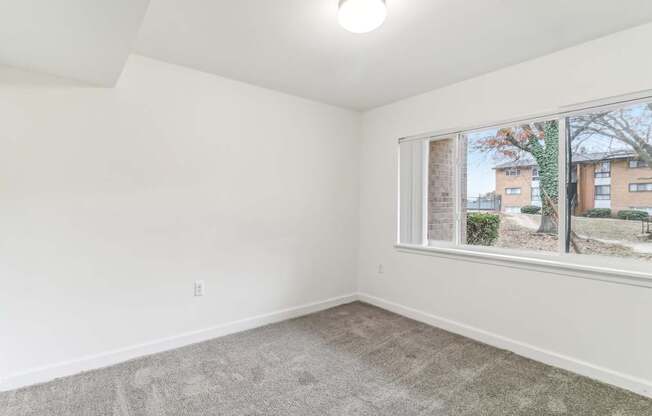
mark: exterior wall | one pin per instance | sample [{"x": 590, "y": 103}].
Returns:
[
  {"x": 441, "y": 190},
  {"x": 523, "y": 181},
  {"x": 621, "y": 176},
  {"x": 585, "y": 188}
]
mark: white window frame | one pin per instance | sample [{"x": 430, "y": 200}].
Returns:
[
  {"x": 602, "y": 169},
  {"x": 512, "y": 172},
  {"x": 635, "y": 187},
  {"x": 535, "y": 169},
  {"x": 637, "y": 164},
  {"x": 513, "y": 191},
  {"x": 624, "y": 271},
  {"x": 535, "y": 197},
  {"x": 595, "y": 194}
]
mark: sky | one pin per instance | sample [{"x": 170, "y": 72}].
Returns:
[{"x": 481, "y": 177}]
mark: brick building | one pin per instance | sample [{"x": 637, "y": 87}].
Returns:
[{"x": 616, "y": 180}]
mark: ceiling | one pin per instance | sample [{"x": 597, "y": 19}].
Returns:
[
  {"x": 83, "y": 40},
  {"x": 296, "y": 46}
]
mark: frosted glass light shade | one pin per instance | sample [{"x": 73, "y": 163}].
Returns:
[{"x": 361, "y": 16}]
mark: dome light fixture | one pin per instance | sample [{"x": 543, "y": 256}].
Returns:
[{"x": 361, "y": 16}]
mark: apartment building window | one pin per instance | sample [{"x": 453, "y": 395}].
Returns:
[
  {"x": 602, "y": 192},
  {"x": 640, "y": 187},
  {"x": 536, "y": 195},
  {"x": 513, "y": 191},
  {"x": 637, "y": 163},
  {"x": 603, "y": 169},
  {"x": 464, "y": 190}
]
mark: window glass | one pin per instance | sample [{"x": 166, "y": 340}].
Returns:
[
  {"x": 640, "y": 187},
  {"x": 499, "y": 187},
  {"x": 497, "y": 200},
  {"x": 603, "y": 169},
  {"x": 536, "y": 196},
  {"x": 604, "y": 190},
  {"x": 638, "y": 164}
]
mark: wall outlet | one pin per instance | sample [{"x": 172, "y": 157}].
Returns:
[
  {"x": 381, "y": 269},
  {"x": 199, "y": 288}
]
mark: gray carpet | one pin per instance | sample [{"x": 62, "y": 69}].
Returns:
[{"x": 351, "y": 360}]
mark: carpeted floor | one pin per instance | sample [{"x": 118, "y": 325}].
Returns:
[{"x": 351, "y": 360}]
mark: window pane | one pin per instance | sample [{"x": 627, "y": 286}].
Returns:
[
  {"x": 412, "y": 164},
  {"x": 441, "y": 190},
  {"x": 610, "y": 152},
  {"x": 510, "y": 197}
]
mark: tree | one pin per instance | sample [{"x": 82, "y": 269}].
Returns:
[
  {"x": 631, "y": 126},
  {"x": 541, "y": 142}
]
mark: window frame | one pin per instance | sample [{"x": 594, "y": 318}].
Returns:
[
  {"x": 518, "y": 189},
  {"x": 600, "y": 172},
  {"x": 640, "y": 164},
  {"x": 638, "y": 184},
  {"x": 535, "y": 177},
  {"x": 533, "y": 197},
  {"x": 625, "y": 271},
  {"x": 596, "y": 194}
]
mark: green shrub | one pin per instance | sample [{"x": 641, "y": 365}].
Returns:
[
  {"x": 530, "y": 209},
  {"x": 482, "y": 229},
  {"x": 632, "y": 214},
  {"x": 598, "y": 213}
]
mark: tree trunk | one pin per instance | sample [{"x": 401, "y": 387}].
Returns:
[{"x": 547, "y": 225}]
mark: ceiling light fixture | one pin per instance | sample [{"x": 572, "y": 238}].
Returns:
[{"x": 361, "y": 16}]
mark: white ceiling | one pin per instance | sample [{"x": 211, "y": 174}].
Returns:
[
  {"x": 84, "y": 40},
  {"x": 296, "y": 46}
]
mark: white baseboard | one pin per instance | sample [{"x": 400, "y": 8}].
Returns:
[
  {"x": 104, "y": 359},
  {"x": 91, "y": 362},
  {"x": 605, "y": 375}
]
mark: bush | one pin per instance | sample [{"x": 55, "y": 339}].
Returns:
[
  {"x": 530, "y": 209},
  {"x": 632, "y": 214},
  {"x": 482, "y": 229},
  {"x": 598, "y": 213}
]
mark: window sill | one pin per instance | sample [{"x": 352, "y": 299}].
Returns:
[{"x": 557, "y": 264}]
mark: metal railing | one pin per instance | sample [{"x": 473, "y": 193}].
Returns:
[{"x": 483, "y": 203}]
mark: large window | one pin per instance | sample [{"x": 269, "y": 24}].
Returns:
[
  {"x": 565, "y": 184},
  {"x": 640, "y": 187},
  {"x": 637, "y": 163},
  {"x": 602, "y": 192},
  {"x": 603, "y": 169}
]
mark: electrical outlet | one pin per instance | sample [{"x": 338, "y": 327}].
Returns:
[
  {"x": 381, "y": 269},
  {"x": 199, "y": 288}
]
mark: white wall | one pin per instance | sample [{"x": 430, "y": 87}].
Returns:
[
  {"x": 604, "y": 325},
  {"x": 113, "y": 201}
]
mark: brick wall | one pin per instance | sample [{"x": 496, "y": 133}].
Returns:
[
  {"x": 621, "y": 176},
  {"x": 441, "y": 190},
  {"x": 523, "y": 181},
  {"x": 585, "y": 188}
]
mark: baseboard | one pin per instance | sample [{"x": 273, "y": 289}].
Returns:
[
  {"x": 51, "y": 372},
  {"x": 605, "y": 375},
  {"x": 104, "y": 359}
]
